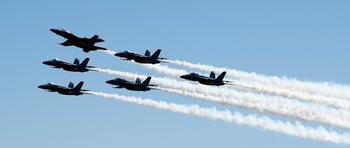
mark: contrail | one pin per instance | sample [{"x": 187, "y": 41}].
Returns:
[
  {"x": 273, "y": 104},
  {"x": 265, "y": 88},
  {"x": 288, "y": 128},
  {"x": 324, "y": 88}
]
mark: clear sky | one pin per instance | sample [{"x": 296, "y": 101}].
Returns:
[{"x": 308, "y": 40}]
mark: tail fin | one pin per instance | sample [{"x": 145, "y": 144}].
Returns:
[
  {"x": 146, "y": 82},
  {"x": 71, "y": 85},
  {"x": 156, "y": 54},
  {"x": 94, "y": 38},
  {"x": 147, "y": 53},
  {"x": 138, "y": 81},
  {"x": 76, "y": 61},
  {"x": 212, "y": 75},
  {"x": 221, "y": 76},
  {"x": 79, "y": 86},
  {"x": 85, "y": 62}
]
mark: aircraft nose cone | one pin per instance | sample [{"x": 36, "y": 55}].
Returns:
[
  {"x": 46, "y": 62},
  {"x": 109, "y": 82},
  {"x": 119, "y": 54},
  {"x": 41, "y": 86},
  {"x": 54, "y": 30},
  {"x": 183, "y": 76}
]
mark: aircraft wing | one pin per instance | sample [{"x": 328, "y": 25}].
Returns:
[
  {"x": 101, "y": 48},
  {"x": 66, "y": 43},
  {"x": 64, "y": 33},
  {"x": 92, "y": 48},
  {"x": 88, "y": 49},
  {"x": 68, "y": 35}
]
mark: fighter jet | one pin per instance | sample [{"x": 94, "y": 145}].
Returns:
[
  {"x": 87, "y": 44},
  {"x": 136, "y": 86},
  {"x": 75, "y": 67},
  {"x": 70, "y": 90},
  {"x": 211, "y": 80},
  {"x": 147, "y": 58}
]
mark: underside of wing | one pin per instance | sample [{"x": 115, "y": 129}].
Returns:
[
  {"x": 87, "y": 49},
  {"x": 67, "y": 43}
]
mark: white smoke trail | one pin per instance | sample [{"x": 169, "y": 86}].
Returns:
[
  {"x": 128, "y": 75},
  {"x": 110, "y": 52},
  {"x": 265, "y": 88},
  {"x": 288, "y": 128},
  {"x": 319, "y": 99},
  {"x": 289, "y": 109},
  {"x": 276, "y": 105},
  {"x": 164, "y": 69},
  {"x": 291, "y": 88},
  {"x": 324, "y": 88},
  {"x": 224, "y": 93}
]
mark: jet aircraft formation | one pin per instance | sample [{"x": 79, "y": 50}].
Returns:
[{"x": 88, "y": 44}]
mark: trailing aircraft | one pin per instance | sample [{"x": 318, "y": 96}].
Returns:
[
  {"x": 70, "y": 90},
  {"x": 147, "y": 58},
  {"x": 211, "y": 80},
  {"x": 136, "y": 86}
]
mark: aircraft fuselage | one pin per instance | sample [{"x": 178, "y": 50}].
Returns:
[
  {"x": 120, "y": 83},
  {"x": 137, "y": 58},
  {"x": 202, "y": 79},
  {"x": 60, "y": 89}
]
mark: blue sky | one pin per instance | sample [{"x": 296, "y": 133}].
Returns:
[{"x": 308, "y": 40}]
